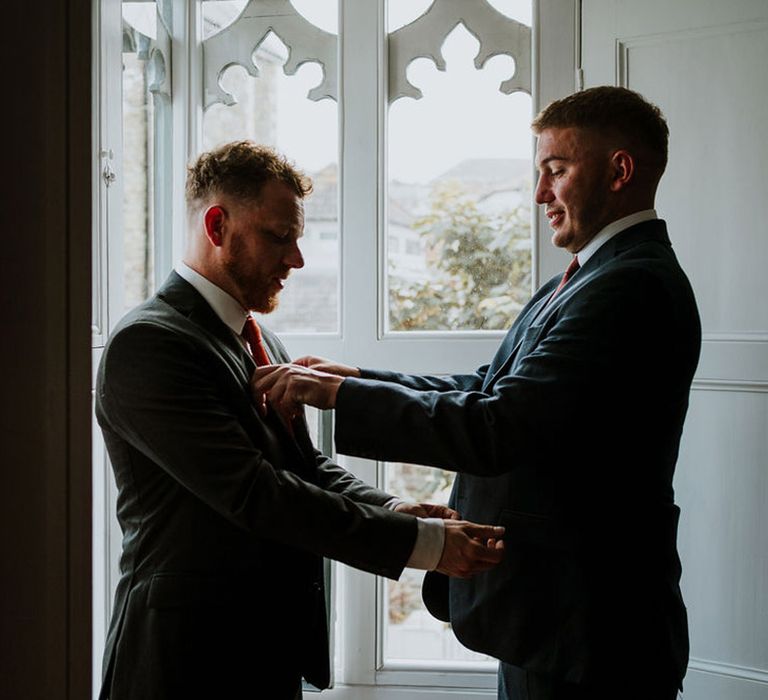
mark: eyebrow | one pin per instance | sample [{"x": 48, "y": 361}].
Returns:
[
  {"x": 551, "y": 158},
  {"x": 540, "y": 166}
]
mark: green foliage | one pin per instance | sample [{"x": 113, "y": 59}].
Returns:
[{"x": 480, "y": 267}]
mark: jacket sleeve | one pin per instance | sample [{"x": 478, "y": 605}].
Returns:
[
  {"x": 157, "y": 392},
  {"x": 454, "y": 382},
  {"x": 567, "y": 371},
  {"x": 330, "y": 475}
]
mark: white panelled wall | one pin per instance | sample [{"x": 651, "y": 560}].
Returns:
[{"x": 704, "y": 63}]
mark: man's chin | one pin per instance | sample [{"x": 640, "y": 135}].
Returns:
[
  {"x": 561, "y": 239},
  {"x": 266, "y": 306}
]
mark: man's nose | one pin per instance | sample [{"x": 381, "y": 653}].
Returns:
[
  {"x": 293, "y": 257},
  {"x": 543, "y": 192}
]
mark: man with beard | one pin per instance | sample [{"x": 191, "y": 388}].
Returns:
[
  {"x": 226, "y": 509},
  {"x": 569, "y": 436}
]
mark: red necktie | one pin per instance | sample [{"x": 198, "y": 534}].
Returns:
[
  {"x": 569, "y": 272},
  {"x": 252, "y": 335}
]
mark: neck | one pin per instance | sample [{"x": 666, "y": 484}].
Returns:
[{"x": 213, "y": 274}]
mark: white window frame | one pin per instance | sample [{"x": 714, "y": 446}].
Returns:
[{"x": 361, "y": 339}]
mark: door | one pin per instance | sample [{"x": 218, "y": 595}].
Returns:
[{"x": 704, "y": 63}]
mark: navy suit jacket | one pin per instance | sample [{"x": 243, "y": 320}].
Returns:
[
  {"x": 568, "y": 438},
  {"x": 225, "y": 515}
]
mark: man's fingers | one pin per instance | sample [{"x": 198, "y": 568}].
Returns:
[
  {"x": 484, "y": 532},
  {"x": 477, "y": 568},
  {"x": 440, "y": 511},
  {"x": 470, "y": 548},
  {"x": 485, "y": 553},
  {"x": 265, "y": 377},
  {"x": 261, "y": 404}
]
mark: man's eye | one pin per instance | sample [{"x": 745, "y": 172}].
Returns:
[{"x": 557, "y": 173}]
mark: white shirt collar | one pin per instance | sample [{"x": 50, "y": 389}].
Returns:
[
  {"x": 611, "y": 230},
  {"x": 226, "y": 307}
]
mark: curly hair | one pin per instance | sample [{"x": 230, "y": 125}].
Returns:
[
  {"x": 615, "y": 112},
  {"x": 241, "y": 169}
]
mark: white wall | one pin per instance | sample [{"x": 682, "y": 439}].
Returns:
[{"x": 704, "y": 63}]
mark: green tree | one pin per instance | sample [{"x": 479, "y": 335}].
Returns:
[{"x": 480, "y": 267}]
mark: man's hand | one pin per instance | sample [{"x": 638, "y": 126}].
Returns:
[
  {"x": 287, "y": 387},
  {"x": 427, "y": 510},
  {"x": 470, "y": 548},
  {"x": 328, "y": 366}
]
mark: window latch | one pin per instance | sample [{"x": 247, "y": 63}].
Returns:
[{"x": 108, "y": 172}]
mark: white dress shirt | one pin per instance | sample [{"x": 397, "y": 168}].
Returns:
[
  {"x": 430, "y": 536},
  {"x": 611, "y": 230},
  {"x": 226, "y": 307}
]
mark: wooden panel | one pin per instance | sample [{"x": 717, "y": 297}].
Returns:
[
  {"x": 717, "y": 151},
  {"x": 691, "y": 57},
  {"x": 722, "y": 488}
]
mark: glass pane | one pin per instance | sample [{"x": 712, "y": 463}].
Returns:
[
  {"x": 139, "y": 28},
  {"x": 219, "y": 14},
  {"x": 410, "y": 632},
  {"x": 459, "y": 194},
  {"x": 273, "y": 109}
]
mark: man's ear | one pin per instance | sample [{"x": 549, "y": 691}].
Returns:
[
  {"x": 214, "y": 219},
  {"x": 622, "y": 169}
]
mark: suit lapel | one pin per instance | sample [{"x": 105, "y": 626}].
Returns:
[
  {"x": 183, "y": 297},
  {"x": 300, "y": 431},
  {"x": 538, "y": 311},
  {"x": 647, "y": 231},
  {"x": 514, "y": 337}
]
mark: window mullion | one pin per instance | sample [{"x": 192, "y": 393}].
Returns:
[
  {"x": 361, "y": 122},
  {"x": 362, "y": 37},
  {"x": 186, "y": 101}
]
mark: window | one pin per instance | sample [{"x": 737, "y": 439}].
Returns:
[
  {"x": 411, "y": 633},
  {"x": 419, "y": 244},
  {"x": 280, "y": 91},
  {"x": 459, "y": 167}
]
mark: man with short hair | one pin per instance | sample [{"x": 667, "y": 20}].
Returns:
[
  {"x": 226, "y": 510},
  {"x": 569, "y": 437}
]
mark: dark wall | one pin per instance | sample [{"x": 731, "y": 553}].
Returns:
[{"x": 45, "y": 508}]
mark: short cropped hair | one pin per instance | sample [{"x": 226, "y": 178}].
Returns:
[
  {"x": 241, "y": 169},
  {"x": 617, "y": 113}
]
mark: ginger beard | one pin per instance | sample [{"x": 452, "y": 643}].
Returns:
[{"x": 258, "y": 291}]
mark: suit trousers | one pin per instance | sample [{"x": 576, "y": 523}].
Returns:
[{"x": 518, "y": 684}]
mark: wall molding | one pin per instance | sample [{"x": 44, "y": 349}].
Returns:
[
  {"x": 719, "y": 668},
  {"x": 735, "y": 337},
  {"x": 739, "y": 385},
  {"x": 624, "y": 44}
]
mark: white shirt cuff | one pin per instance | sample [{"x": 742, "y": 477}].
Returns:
[{"x": 430, "y": 540}]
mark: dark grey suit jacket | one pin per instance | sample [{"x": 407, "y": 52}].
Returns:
[
  {"x": 569, "y": 438},
  {"x": 225, "y": 515}
]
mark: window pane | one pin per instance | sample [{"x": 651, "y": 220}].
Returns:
[
  {"x": 274, "y": 109},
  {"x": 410, "y": 632},
  {"x": 139, "y": 28},
  {"x": 459, "y": 191}
]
